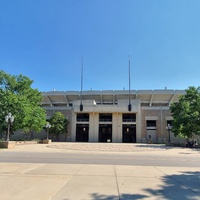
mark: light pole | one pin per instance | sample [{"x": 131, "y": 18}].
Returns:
[
  {"x": 9, "y": 120},
  {"x": 48, "y": 126},
  {"x": 169, "y": 128}
]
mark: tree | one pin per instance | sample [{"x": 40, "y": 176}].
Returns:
[
  {"x": 17, "y": 97},
  {"x": 186, "y": 114},
  {"x": 58, "y": 123}
]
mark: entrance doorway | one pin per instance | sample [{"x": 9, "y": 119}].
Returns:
[
  {"x": 105, "y": 132},
  {"x": 129, "y": 133},
  {"x": 82, "y": 132}
]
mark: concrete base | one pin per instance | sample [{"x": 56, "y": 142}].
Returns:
[
  {"x": 7, "y": 144},
  {"x": 149, "y": 142},
  {"x": 46, "y": 141}
]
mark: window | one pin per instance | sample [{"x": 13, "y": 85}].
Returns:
[
  {"x": 104, "y": 117},
  {"x": 129, "y": 117},
  {"x": 82, "y": 117},
  {"x": 150, "y": 124},
  {"x": 170, "y": 122}
]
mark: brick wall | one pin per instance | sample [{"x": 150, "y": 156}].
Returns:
[{"x": 161, "y": 115}]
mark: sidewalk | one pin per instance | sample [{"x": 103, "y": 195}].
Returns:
[
  {"x": 63, "y": 147},
  {"x": 22, "y": 181}
]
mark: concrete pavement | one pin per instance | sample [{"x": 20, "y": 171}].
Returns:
[{"x": 21, "y": 181}]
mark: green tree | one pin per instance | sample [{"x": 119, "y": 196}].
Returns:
[
  {"x": 58, "y": 123},
  {"x": 19, "y": 98},
  {"x": 186, "y": 114}
]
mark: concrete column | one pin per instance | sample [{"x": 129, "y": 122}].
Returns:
[
  {"x": 73, "y": 127},
  {"x": 94, "y": 127},
  {"x": 114, "y": 127},
  {"x": 117, "y": 127},
  {"x": 139, "y": 126}
]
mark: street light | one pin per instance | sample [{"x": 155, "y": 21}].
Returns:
[
  {"x": 169, "y": 128},
  {"x": 9, "y": 120},
  {"x": 48, "y": 126}
]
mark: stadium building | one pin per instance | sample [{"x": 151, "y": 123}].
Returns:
[{"x": 122, "y": 116}]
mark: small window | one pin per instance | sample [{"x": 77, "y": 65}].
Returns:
[
  {"x": 82, "y": 117},
  {"x": 151, "y": 124},
  {"x": 129, "y": 117},
  {"x": 170, "y": 122},
  {"x": 105, "y": 117}
]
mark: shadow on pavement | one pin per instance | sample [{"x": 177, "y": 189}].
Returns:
[
  {"x": 196, "y": 149},
  {"x": 96, "y": 196},
  {"x": 155, "y": 146},
  {"x": 193, "y": 150},
  {"x": 184, "y": 186}
]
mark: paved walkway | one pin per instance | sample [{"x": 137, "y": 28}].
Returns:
[
  {"x": 92, "y": 147},
  {"x": 109, "y": 147},
  {"x": 22, "y": 181}
]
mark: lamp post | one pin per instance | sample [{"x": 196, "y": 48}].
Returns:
[
  {"x": 9, "y": 119},
  {"x": 48, "y": 126},
  {"x": 169, "y": 128}
]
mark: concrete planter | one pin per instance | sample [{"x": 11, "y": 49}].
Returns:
[
  {"x": 46, "y": 141},
  {"x": 7, "y": 144}
]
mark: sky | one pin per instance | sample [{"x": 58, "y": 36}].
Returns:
[{"x": 47, "y": 39}]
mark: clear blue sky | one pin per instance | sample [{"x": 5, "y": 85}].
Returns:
[{"x": 45, "y": 40}]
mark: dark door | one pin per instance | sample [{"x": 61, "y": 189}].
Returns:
[
  {"x": 129, "y": 133},
  {"x": 82, "y": 133},
  {"x": 105, "y": 133}
]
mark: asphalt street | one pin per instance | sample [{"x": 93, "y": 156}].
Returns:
[{"x": 186, "y": 159}]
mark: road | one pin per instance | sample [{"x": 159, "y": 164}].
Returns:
[{"x": 138, "y": 159}]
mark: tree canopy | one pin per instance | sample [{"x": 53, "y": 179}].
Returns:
[
  {"x": 186, "y": 114},
  {"x": 19, "y": 98},
  {"x": 58, "y": 123}
]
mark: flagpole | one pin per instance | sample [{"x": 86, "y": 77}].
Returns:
[
  {"x": 129, "y": 74},
  {"x": 81, "y": 105}
]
